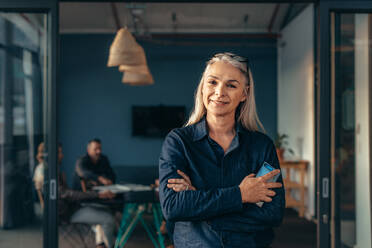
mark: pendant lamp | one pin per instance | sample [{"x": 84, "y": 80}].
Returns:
[
  {"x": 126, "y": 53},
  {"x": 139, "y": 79},
  {"x": 125, "y": 50}
]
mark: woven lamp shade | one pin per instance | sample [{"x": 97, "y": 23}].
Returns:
[
  {"x": 134, "y": 68},
  {"x": 134, "y": 78},
  {"x": 125, "y": 50}
]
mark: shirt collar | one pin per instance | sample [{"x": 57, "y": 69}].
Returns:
[{"x": 201, "y": 130}]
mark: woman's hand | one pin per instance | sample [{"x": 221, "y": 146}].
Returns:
[
  {"x": 256, "y": 189},
  {"x": 181, "y": 184}
]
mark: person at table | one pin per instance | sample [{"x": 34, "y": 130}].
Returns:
[
  {"x": 93, "y": 167},
  {"x": 207, "y": 168},
  {"x": 38, "y": 176},
  {"x": 70, "y": 208}
]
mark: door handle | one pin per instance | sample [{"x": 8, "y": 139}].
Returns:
[
  {"x": 325, "y": 219},
  {"x": 53, "y": 189},
  {"x": 325, "y": 187}
]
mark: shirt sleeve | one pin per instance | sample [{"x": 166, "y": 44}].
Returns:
[
  {"x": 74, "y": 195},
  {"x": 83, "y": 172},
  {"x": 271, "y": 213},
  {"x": 190, "y": 205},
  {"x": 109, "y": 171}
]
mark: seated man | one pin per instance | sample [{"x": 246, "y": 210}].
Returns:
[
  {"x": 70, "y": 209},
  {"x": 93, "y": 168}
]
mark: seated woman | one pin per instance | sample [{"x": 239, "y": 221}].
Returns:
[
  {"x": 71, "y": 211},
  {"x": 38, "y": 177},
  {"x": 207, "y": 168}
]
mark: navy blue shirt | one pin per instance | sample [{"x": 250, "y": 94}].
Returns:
[
  {"x": 214, "y": 215},
  {"x": 87, "y": 170}
]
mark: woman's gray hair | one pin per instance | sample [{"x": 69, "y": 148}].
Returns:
[{"x": 246, "y": 111}]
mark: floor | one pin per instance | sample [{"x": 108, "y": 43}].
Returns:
[{"x": 294, "y": 232}]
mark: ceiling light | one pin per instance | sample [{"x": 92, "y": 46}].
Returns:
[{"x": 126, "y": 53}]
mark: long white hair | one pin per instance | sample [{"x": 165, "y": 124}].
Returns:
[{"x": 246, "y": 112}]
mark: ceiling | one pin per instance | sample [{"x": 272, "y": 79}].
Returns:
[{"x": 152, "y": 18}]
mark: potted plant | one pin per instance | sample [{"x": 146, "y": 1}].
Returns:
[{"x": 281, "y": 143}]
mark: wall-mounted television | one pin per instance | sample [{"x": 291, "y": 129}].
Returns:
[{"x": 156, "y": 121}]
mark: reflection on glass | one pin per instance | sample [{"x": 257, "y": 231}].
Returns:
[
  {"x": 350, "y": 80},
  {"x": 22, "y": 56}
]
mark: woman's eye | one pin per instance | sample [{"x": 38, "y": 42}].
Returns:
[
  {"x": 231, "y": 86},
  {"x": 213, "y": 82}
]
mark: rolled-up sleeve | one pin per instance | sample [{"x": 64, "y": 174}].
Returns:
[{"x": 190, "y": 205}]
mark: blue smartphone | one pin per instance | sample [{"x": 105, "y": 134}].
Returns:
[{"x": 266, "y": 168}]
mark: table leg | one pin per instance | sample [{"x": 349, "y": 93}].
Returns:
[
  {"x": 128, "y": 210},
  {"x": 131, "y": 226},
  {"x": 157, "y": 219},
  {"x": 149, "y": 233}
]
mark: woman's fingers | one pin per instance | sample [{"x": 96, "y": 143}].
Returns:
[
  {"x": 270, "y": 175},
  {"x": 267, "y": 199},
  {"x": 184, "y": 181},
  {"x": 182, "y": 174},
  {"x": 270, "y": 193},
  {"x": 177, "y": 180},
  {"x": 273, "y": 185},
  {"x": 177, "y": 187}
]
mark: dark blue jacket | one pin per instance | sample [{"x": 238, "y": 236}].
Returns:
[{"x": 214, "y": 212}]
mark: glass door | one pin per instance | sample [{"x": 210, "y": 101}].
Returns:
[
  {"x": 27, "y": 124},
  {"x": 351, "y": 62},
  {"x": 344, "y": 125}
]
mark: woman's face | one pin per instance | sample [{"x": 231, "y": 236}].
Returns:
[{"x": 223, "y": 89}]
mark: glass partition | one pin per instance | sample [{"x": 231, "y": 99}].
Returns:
[
  {"x": 351, "y": 80},
  {"x": 23, "y": 70}
]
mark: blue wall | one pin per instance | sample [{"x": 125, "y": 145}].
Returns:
[{"x": 92, "y": 101}]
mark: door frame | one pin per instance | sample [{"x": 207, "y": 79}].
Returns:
[
  {"x": 324, "y": 112},
  {"x": 323, "y": 120},
  {"x": 49, "y": 7}
]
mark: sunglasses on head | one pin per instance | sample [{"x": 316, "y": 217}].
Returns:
[
  {"x": 236, "y": 57},
  {"x": 233, "y": 56}
]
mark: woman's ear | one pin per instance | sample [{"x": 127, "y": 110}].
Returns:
[{"x": 245, "y": 94}]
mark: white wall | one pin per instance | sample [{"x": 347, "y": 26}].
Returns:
[
  {"x": 362, "y": 118},
  {"x": 296, "y": 93}
]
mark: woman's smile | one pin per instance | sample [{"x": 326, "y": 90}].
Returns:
[{"x": 219, "y": 103}]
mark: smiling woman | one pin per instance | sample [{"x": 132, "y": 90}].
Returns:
[
  {"x": 206, "y": 169},
  {"x": 240, "y": 74},
  {"x": 224, "y": 89}
]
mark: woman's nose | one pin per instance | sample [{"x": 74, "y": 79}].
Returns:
[{"x": 220, "y": 90}]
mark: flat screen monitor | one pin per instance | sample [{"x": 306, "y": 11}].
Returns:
[{"x": 156, "y": 121}]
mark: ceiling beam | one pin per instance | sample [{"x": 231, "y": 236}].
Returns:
[
  {"x": 217, "y": 36},
  {"x": 273, "y": 17},
  {"x": 114, "y": 10},
  {"x": 287, "y": 15}
]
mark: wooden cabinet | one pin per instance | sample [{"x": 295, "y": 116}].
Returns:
[{"x": 289, "y": 170}]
